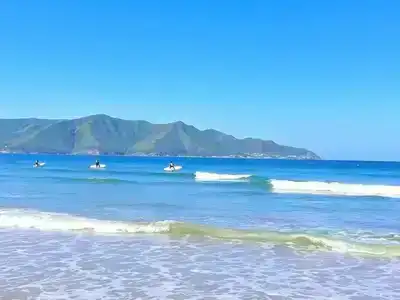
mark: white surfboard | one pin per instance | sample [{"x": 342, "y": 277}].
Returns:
[
  {"x": 41, "y": 164},
  {"x": 168, "y": 169},
  {"x": 98, "y": 167}
]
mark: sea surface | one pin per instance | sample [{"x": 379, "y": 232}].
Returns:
[{"x": 217, "y": 229}]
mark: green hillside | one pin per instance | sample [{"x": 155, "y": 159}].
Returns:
[{"x": 107, "y": 135}]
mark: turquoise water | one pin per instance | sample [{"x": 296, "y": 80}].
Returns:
[{"x": 217, "y": 229}]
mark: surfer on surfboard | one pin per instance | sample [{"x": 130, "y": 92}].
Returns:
[
  {"x": 36, "y": 164},
  {"x": 172, "y": 166},
  {"x": 97, "y": 164}
]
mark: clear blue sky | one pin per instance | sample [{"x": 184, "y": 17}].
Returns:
[{"x": 318, "y": 74}]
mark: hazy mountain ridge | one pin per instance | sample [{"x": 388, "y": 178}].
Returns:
[{"x": 107, "y": 135}]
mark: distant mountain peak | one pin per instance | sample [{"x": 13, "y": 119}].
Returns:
[
  {"x": 97, "y": 116},
  {"x": 180, "y": 123}
]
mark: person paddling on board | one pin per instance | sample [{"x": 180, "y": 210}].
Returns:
[
  {"x": 171, "y": 165},
  {"x": 36, "y": 163},
  {"x": 97, "y": 163}
]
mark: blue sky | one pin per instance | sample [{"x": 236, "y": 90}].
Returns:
[{"x": 318, "y": 74}]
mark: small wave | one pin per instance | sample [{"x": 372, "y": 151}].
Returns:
[
  {"x": 391, "y": 237},
  {"x": 17, "y": 218},
  {"x": 204, "y": 176},
  {"x": 106, "y": 180},
  {"x": 103, "y": 180},
  {"x": 334, "y": 188},
  {"x": 141, "y": 172},
  {"x": 24, "y": 219}
]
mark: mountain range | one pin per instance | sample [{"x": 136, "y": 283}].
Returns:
[{"x": 102, "y": 134}]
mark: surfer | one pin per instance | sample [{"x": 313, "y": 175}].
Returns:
[
  {"x": 36, "y": 163},
  {"x": 171, "y": 165},
  {"x": 97, "y": 163}
]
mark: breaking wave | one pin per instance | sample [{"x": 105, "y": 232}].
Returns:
[
  {"x": 305, "y": 187},
  {"x": 204, "y": 176},
  {"x": 28, "y": 219},
  {"x": 334, "y": 188}
]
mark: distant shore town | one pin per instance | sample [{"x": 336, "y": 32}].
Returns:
[{"x": 244, "y": 155}]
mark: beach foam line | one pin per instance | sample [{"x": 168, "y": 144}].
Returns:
[
  {"x": 205, "y": 176},
  {"x": 334, "y": 188},
  {"x": 45, "y": 221},
  {"x": 28, "y": 219}
]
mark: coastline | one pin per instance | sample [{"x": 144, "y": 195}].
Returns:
[{"x": 256, "y": 156}]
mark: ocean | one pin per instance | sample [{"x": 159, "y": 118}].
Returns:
[{"x": 217, "y": 229}]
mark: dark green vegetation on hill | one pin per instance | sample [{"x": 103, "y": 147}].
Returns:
[{"x": 107, "y": 135}]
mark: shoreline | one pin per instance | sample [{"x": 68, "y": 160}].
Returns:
[{"x": 165, "y": 156}]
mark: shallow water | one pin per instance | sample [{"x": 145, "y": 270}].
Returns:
[{"x": 286, "y": 230}]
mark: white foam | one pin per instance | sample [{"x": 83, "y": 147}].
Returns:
[
  {"x": 101, "y": 166},
  {"x": 175, "y": 168},
  {"x": 41, "y": 164},
  {"x": 26, "y": 219},
  {"x": 334, "y": 188},
  {"x": 204, "y": 176}
]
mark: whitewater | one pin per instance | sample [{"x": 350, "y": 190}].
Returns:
[{"x": 217, "y": 229}]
